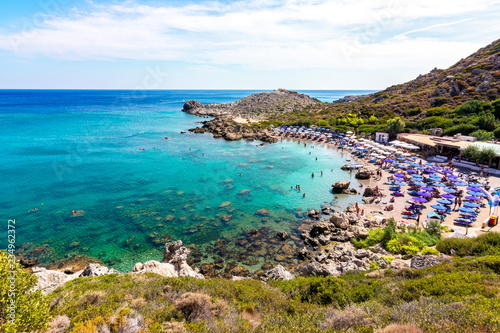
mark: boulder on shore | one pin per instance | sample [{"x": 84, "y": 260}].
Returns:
[
  {"x": 278, "y": 273},
  {"x": 341, "y": 186},
  {"x": 363, "y": 173}
]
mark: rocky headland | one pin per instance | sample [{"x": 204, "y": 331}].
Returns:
[
  {"x": 225, "y": 127},
  {"x": 231, "y": 119},
  {"x": 254, "y": 107}
]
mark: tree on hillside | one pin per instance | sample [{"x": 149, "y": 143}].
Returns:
[
  {"x": 470, "y": 107},
  {"x": 496, "y": 108},
  {"x": 487, "y": 122},
  {"x": 395, "y": 126},
  {"x": 483, "y": 135}
]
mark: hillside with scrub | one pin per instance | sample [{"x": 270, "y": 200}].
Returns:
[
  {"x": 464, "y": 98},
  {"x": 458, "y": 294}
]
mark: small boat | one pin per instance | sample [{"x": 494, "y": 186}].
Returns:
[{"x": 351, "y": 166}]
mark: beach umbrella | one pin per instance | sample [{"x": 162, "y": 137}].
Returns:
[
  {"x": 477, "y": 194},
  {"x": 419, "y": 200},
  {"x": 448, "y": 196},
  {"x": 402, "y": 166},
  {"x": 388, "y": 160},
  {"x": 411, "y": 171},
  {"x": 439, "y": 185},
  {"x": 475, "y": 184},
  {"x": 453, "y": 176},
  {"x": 471, "y": 204},
  {"x": 419, "y": 183},
  {"x": 429, "y": 171},
  {"x": 472, "y": 197},
  {"x": 400, "y": 183},
  {"x": 429, "y": 163},
  {"x": 424, "y": 194},
  {"x": 400, "y": 158},
  {"x": 417, "y": 176},
  {"x": 466, "y": 210},
  {"x": 450, "y": 190},
  {"x": 439, "y": 207},
  {"x": 447, "y": 171},
  {"x": 473, "y": 188},
  {"x": 398, "y": 175},
  {"x": 459, "y": 183},
  {"x": 414, "y": 165},
  {"x": 427, "y": 188},
  {"x": 421, "y": 168},
  {"x": 445, "y": 202}
]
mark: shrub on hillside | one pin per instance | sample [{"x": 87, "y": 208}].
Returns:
[
  {"x": 464, "y": 129},
  {"x": 486, "y": 244}
]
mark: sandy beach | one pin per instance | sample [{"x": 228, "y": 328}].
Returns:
[
  {"x": 378, "y": 207},
  {"x": 401, "y": 202}
]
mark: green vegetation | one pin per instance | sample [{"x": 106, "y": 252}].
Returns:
[
  {"x": 395, "y": 126},
  {"x": 456, "y": 296},
  {"x": 485, "y": 244},
  {"x": 410, "y": 241},
  {"x": 30, "y": 308}
]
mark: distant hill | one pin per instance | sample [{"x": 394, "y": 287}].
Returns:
[{"x": 476, "y": 76}]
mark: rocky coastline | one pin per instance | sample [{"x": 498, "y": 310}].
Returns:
[
  {"x": 254, "y": 108},
  {"x": 228, "y": 129}
]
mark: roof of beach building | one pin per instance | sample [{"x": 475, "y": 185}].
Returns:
[
  {"x": 432, "y": 141},
  {"x": 482, "y": 145}
]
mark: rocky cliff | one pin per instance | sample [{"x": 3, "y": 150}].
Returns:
[
  {"x": 227, "y": 128},
  {"x": 256, "y": 106}
]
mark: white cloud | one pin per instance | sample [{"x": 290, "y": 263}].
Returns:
[{"x": 260, "y": 34}]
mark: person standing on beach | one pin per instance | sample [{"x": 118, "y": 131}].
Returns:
[{"x": 312, "y": 175}]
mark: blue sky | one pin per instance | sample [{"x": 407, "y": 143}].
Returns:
[{"x": 255, "y": 44}]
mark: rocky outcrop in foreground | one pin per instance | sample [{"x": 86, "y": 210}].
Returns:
[
  {"x": 227, "y": 128},
  {"x": 173, "y": 265},
  {"x": 255, "y": 106}
]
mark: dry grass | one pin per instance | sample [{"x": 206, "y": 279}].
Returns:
[
  {"x": 345, "y": 319},
  {"x": 396, "y": 328},
  {"x": 59, "y": 324},
  {"x": 194, "y": 306}
]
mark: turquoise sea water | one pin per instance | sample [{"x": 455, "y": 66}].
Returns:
[{"x": 103, "y": 154}]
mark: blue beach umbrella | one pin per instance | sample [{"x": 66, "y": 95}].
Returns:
[
  {"x": 411, "y": 171},
  {"x": 414, "y": 165},
  {"x": 445, "y": 202},
  {"x": 427, "y": 188},
  {"x": 447, "y": 171},
  {"x": 473, "y": 188},
  {"x": 439, "y": 207},
  {"x": 429, "y": 171},
  {"x": 459, "y": 183},
  {"x": 400, "y": 158},
  {"x": 419, "y": 200},
  {"x": 477, "y": 194},
  {"x": 388, "y": 160},
  {"x": 399, "y": 175},
  {"x": 475, "y": 184},
  {"x": 429, "y": 163},
  {"x": 471, "y": 204},
  {"x": 472, "y": 197},
  {"x": 466, "y": 210},
  {"x": 402, "y": 166},
  {"x": 450, "y": 190},
  {"x": 424, "y": 194},
  {"x": 448, "y": 196},
  {"x": 421, "y": 168},
  {"x": 439, "y": 185},
  {"x": 419, "y": 183},
  {"x": 416, "y": 176},
  {"x": 400, "y": 183}
]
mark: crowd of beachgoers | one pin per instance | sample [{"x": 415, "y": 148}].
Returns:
[{"x": 408, "y": 187}]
